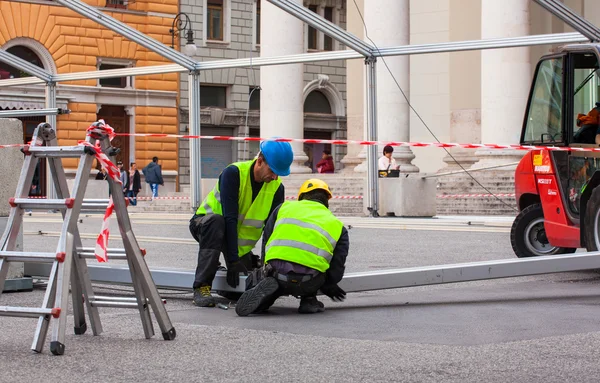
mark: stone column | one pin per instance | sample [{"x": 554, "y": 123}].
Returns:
[
  {"x": 388, "y": 24},
  {"x": 465, "y": 84},
  {"x": 281, "y": 98},
  {"x": 355, "y": 95},
  {"x": 505, "y": 79}
]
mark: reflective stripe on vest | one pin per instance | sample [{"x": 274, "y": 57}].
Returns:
[
  {"x": 252, "y": 214},
  {"x": 306, "y": 233}
]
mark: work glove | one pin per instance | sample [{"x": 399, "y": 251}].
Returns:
[
  {"x": 233, "y": 273},
  {"x": 334, "y": 292}
]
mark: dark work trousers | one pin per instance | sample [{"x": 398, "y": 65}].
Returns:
[
  {"x": 297, "y": 289},
  {"x": 209, "y": 231}
]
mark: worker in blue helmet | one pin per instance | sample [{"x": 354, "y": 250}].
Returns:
[{"x": 231, "y": 218}]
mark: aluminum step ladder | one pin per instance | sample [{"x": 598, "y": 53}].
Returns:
[{"x": 69, "y": 267}]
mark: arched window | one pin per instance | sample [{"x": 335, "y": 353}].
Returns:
[
  {"x": 7, "y": 71},
  {"x": 317, "y": 102}
]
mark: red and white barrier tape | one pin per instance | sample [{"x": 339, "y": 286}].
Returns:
[
  {"x": 367, "y": 143},
  {"x": 101, "y": 250},
  {"x": 12, "y": 146},
  {"x": 442, "y": 196},
  {"x": 347, "y": 142}
]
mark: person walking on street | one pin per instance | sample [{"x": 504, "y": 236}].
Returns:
[
  {"x": 133, "y": 185},
  {"x": 231, "y": 218},
  {"x": 153, "y": 175},
  {"x": 304, "y": 249}
]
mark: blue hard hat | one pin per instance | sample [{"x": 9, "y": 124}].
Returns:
[{"x": 279, "y": 156}]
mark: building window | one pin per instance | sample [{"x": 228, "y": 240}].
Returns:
[
  {"x": 214, "y": 20},
  {"x": 328, "y": 41},
  {"x": 254, "y": 98},
  {"x": 215, "y": 96},
  {"x": 7, "y": 71},
  {"x": 114, "y": 82},
  {"x": 122, "y": 4},
  {"x": 257, "y": 22},
  {"x": 312, "y": 32},
  {"x": 317, "y": 102}
]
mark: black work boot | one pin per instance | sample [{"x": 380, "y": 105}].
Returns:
[
  {"x": 203, "y": 298},
  {"x": 310, "y": 305},
  {"x": 252, "y": 299}
]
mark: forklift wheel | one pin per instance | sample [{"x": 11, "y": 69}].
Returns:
[
  {"x": 528, "y": 236},
  {"x": 592, "y": 222}
]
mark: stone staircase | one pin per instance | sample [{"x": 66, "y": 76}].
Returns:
[
  {"x": 496, "y": 181},
  {"x": 339, "y": 185}
]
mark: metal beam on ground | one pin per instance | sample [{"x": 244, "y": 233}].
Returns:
[
  {"x": 366, "y": 281},
  {"x": 25, "y": 66},
  {"x": 128, "y": 32},
  {"x": 327, "y": 27},
  {"x": 575, "y": 21}
]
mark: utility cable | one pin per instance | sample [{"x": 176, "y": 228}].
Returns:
[{"x": 419, "y": 116}]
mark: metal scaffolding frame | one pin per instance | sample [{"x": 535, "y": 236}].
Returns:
[
  {"x": 357, "y": 281},
  {"x": 360, "y": 49}
]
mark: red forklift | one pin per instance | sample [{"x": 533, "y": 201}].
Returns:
[{"x": 556, "y": 188}]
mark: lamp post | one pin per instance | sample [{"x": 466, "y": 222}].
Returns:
[{"x": 182, "y": 22}]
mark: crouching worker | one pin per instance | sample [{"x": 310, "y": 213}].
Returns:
[
  {"x": 232, "y": 217},
  {"x": 304, "y": 250}
]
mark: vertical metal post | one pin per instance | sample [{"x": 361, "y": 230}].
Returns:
[
  {"x": 195, "y": 163},
  {"x": 50, "y": 119},
  {"x": 373, "y": 185}
]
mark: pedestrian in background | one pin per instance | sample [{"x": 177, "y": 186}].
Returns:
[
  {"x": 122, "y": 175},
  {"x": 326, "y": 164},
  {"x": 387, "y": 162},
  {"x": 134, "y": 184},
  {"x": 153, "y": 175}
]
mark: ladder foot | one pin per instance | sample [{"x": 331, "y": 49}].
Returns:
[
  {"x": 57, "y": 348},
  {"x": 81, "y": 329},
  {"x": 170, "y": 335}
]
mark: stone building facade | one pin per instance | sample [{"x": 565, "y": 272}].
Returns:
[{"x": 224, "y": 94}]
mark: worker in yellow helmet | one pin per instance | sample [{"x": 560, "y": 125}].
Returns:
[{"x": 304, "y": 250}]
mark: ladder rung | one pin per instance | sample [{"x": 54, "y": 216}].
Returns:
[
  {"x": 28, "y": 312},
  {"x": 56, "y": 151},
  {"x": 90, "y": 253},
  {"x": 124, "y": 305},
  {"x": 57, "y": 204},
  {"x": 34, "y": 203},
  {"x": 120, "y": 299},
  {"x": 21, "y": 256}
]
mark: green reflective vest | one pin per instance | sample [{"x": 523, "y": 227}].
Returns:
[
  {"x": 251, "y": 214},
  {"x": 305, "y": 233}
]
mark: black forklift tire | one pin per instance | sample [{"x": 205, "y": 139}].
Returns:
[
  {"x": 591, "y": 211},
  {"x": 531, "y": 215}
]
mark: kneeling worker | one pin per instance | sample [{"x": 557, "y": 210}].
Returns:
[
  {"x": 231, "y": 218},
  {"x": 306, "y": 249}
]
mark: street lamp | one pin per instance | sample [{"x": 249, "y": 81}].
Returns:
[{"x": 182, "y": 22}]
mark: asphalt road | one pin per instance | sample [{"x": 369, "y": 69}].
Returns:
[{"x": 529, "y": 329}]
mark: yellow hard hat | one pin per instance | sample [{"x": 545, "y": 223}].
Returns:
[{"x": 313, "y": 184}]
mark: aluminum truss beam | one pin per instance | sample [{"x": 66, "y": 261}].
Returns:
[
  {"x": 128, "y": 32},
  {"x": 367, "y": 281},
  {"x": 512, "y": 42},
  {"x": 325, "y": 26},
  {"x": 33, "y": 112},
  {"x": 25, "y": 66},
  {"x": 372, "y": 178},
  {"x": 571, "y": 18}
]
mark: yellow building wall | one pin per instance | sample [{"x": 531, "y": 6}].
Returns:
[{"x": 75, "y": 43}]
